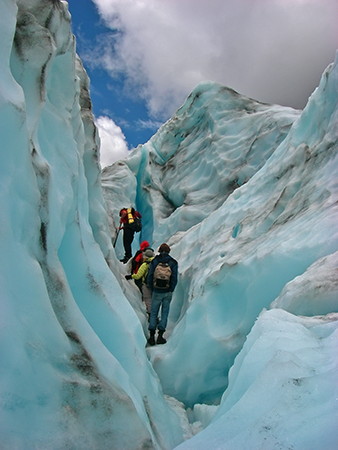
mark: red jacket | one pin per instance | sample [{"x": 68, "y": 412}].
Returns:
[
  {"x": 138, "y": 257},
  {"x": 124, "y": 219}
]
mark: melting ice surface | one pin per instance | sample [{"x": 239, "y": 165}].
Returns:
[{"x": 246, "y": 195}]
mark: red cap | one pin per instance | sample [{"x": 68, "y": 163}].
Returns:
[{"x": 144, "y": 244}]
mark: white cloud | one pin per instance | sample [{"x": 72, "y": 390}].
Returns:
[
  {"x": 148, "y": 124},
  {"x": 113, "y": 142},
  {"x": 271, "y": 50}
]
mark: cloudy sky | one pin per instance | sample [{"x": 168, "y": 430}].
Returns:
[{"x": 144, "y": 57}]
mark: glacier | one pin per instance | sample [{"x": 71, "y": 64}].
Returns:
[{"x": 245, "y": 193}]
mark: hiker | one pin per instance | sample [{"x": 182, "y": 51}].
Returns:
[
  {"x": 130, "y": 222},
  {"x": 148, "y": 256},
  {"x": 162, "y": 279},
  {"x": 138, "y": 260}
]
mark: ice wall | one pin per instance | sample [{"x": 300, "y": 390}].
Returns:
[
  {"x": 246, "y": 195},
  {"x": 282, "y": 389},
  {"x": 267, "y": 233},
  {"x": 214, "y": 144},
  {"x": 73, "y": 363}
]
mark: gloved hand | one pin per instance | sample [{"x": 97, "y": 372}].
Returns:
[{"x": 128, "y": 277}]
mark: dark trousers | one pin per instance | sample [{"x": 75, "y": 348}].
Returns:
[{"x": 128, "y": 236}]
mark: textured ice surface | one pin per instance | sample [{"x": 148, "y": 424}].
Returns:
[
  {"x": 214, "y": 144},
  {"x": 246, "y": 195},
  {"x": 239, "y": 248},
  {"x": 282, "y": 388},
  {"x": 74, "y": 371},
  {"x": 270, "y": 241}
]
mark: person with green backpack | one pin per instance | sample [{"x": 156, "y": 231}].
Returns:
[
  {"x": 142, "y": 275},
  {"x": 137, "y": 260}
]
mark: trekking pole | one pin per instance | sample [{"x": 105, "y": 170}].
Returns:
[{"x": 117, "y": 235}]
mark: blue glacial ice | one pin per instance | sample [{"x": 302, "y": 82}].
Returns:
[{"x": 245, "y": 193}]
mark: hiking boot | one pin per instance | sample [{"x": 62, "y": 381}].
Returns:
[
  {"x": 160, "y": 338},
  {"x": 125, "y": 259},
  {"x": 151, "y": 340}
]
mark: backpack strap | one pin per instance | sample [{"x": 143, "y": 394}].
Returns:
[{"x": 130, "y": 215}]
